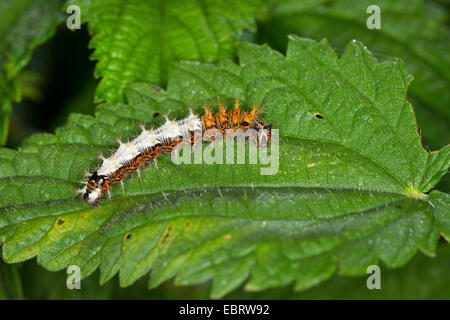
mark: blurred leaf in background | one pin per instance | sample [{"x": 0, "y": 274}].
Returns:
[
  {"x": 10, "y": 282},
  {"x": 24, "y": 24},
  {"x": 57, "y": 81}
]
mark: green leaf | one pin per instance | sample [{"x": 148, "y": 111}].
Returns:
[
  {"x": 25, "y": 25},
  {"x": 139, "y": 40},
  {"x": 413, "y": 30},
  {"x": 350, "y": 189}
]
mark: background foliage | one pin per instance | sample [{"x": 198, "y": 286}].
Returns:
[{"x": 165, "y": 32}]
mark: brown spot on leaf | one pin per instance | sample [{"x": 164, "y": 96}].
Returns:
[
  {"x": 164, "y": 239},
  {"x": 187, "y": 224},
  {"x": 227, "y": 237},
  {"x": 60, "y": 222},
  {"x": 127, "y": 236}
]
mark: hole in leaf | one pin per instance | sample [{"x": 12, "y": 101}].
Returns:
[
  {"x": 319, "y": 116},
  {"x": 128, "y": 236},
  {"x": 156, "y": 114}
]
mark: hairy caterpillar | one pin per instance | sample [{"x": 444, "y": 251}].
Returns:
[{"x": 147, "y": 146}]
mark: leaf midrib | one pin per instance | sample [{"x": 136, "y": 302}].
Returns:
[
  {"x": 185, "y": 190},
  {"x": 388, "y": 172}
]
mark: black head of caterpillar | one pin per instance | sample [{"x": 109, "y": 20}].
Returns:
[{"x": 95, "y": 187}]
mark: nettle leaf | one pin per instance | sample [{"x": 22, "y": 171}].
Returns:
[
  {"x": 25, "y": 25},
  {"x": 413, "y": 30},
  {"x": 139, "y": 40},
  {"x": 350, "y": 189}
]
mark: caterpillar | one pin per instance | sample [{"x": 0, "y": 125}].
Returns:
[{"x": 146, "y": 147}]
